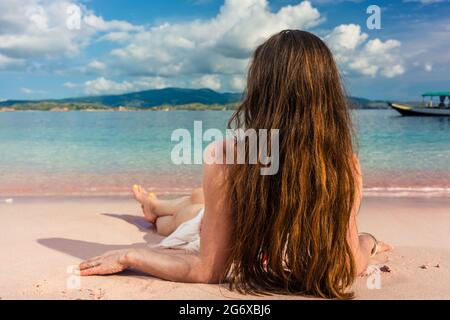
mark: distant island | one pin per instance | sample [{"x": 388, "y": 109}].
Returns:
[{"x": 167, "y": 99}]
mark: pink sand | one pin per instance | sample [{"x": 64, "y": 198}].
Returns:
[{"x": 42, "y": 238}]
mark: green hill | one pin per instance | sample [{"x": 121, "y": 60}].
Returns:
[
  {"x": 146, "y": 99},
  {"x": 168, "y": 98}
]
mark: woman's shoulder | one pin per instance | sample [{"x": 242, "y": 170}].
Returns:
[
  {"x": 214, "y": 167},
  {"x": 216, "y": 152}
]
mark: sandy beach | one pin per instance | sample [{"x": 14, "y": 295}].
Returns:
[{"x": 41, "y": 238}]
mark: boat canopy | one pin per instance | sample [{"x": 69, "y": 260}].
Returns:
[{"x": 437, "y": 94}]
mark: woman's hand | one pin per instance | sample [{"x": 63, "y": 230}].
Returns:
[
  {"x": 383, "y": 247},
  {"x": 108, "y": 263},
  {"x": 365, "y": 244},
  {"x": 367, "y": 240}
]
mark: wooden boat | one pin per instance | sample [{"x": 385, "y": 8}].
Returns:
[{"x": 427, "y": 109}]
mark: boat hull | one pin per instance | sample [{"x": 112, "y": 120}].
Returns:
[{"x": 420, "y": 112}]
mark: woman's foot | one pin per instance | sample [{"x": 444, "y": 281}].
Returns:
[{"x": 147, "y": 201}]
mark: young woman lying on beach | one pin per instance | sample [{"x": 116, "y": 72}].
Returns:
[{"x": 290, "y": 233}]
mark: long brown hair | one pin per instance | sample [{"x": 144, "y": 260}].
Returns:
[{"x": 289, "y": 232}]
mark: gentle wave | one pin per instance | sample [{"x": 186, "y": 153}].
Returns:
[
  {"x": 407, "y": 191},
  {"x": 173, "y": 192}
]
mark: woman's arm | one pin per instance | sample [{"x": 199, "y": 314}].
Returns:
[
  {"x": 205, "y": 267},
  {"x": 173, "y": 266},
  {"x": 361, "y": 245}
]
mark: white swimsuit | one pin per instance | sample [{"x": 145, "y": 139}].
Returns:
[{"x": 186, "y": 236}]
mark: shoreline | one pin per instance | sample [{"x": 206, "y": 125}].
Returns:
[
  {"x": 42, "y": 238},
  {"x": 420, "y": 193},
  {"x": 6, "y": 110}
]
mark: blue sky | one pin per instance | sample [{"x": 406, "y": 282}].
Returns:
[{"x": 65, "y": 48}]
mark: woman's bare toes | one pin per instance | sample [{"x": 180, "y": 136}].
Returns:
[
  {"x": 137, "y": 193},
  {"x": 147, "y": 201},
  {"x": 140, "y": 194}
]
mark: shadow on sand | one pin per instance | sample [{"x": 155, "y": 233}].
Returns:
[{"x": 85, "y": 249}]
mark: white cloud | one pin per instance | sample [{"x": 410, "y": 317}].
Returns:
[
  {"x": 217, "y": 50},
  {"x": 237, "y": 83},
  {"x": 379, "y": 47},
  {"x": 116, "y": 36},
  {"x": 346, "y": 37},
  {"x": 425, "y": 2},
  {"x": 70, "y": 85},
  {"x": 29, "y": 91},
  {"x": 334, "y": 1},
  {"x": 212, "y": 53},
  {"x": 35, "y": 29},
  {"x": 221, "y": 45},
  {"x": 37, "y": 16},
  {"x": 245, "y": 24},
  {"x": 99, "y": 24},
  {"x": 102, "y": 85},
  {"x": 96, "y": 64},
  {"x": 370, "y": 58},
  {"x": 143, "y": 83},
  {"x": 7, "y": 62},
  {"x": 26, "y": 90},
  {"x": 395, "y": 70},
  {"x": 208, "y": 81}
]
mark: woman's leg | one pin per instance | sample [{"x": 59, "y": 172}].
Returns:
[
  {"x": 170, "y": 207},
  {"x": 167, "y": 224},
  {"x": 154, "y": 208}
]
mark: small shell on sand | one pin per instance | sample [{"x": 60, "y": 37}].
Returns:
[
  {"x": 424, "y": 266},
  {"x": 438, "y": 265},
  {"x": 385, "y": 269}
]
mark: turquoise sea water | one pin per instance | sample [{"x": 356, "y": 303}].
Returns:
[{"x": 97, "y": 153}]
